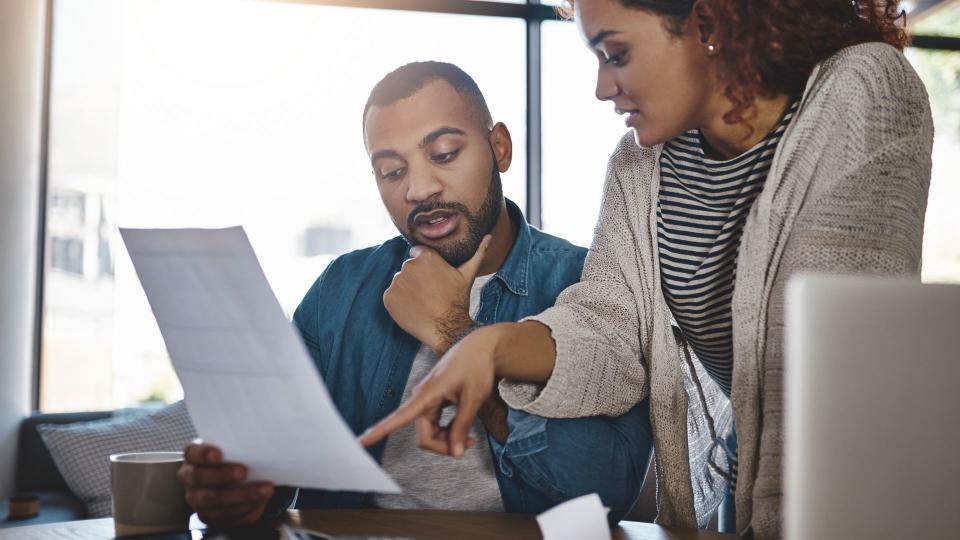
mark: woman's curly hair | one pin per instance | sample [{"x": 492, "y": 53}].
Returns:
[{"x": 769, "y": 47}]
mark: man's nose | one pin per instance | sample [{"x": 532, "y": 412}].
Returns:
[{"x": 422, "y": 185}]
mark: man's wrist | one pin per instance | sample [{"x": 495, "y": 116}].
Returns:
[
  {"x": 493, "y": 414},
  {"x": 451, "y": 328},
  {"x": 278, "y": 504}
]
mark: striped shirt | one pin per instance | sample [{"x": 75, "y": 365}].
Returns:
[{"x": 701, "y": 211}]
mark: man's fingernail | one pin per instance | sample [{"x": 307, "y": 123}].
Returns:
[
  {"x": 265, "y": 491},
  {"x": 237, "y": 473},
  {"x": 458, "y": 450}
]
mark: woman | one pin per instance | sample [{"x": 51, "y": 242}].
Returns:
[{"x": 769, "y": 137}]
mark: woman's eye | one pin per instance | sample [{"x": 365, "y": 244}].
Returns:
[
  {"x": 445, "y": 157},
  {"x": 614, "y": 59}
]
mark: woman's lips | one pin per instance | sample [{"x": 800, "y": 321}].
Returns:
[
  {"x": 438, "y": 225},
  {"x": 633, "y": 116}
]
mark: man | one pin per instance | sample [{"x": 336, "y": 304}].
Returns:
[{"x": 377, "y": 320}]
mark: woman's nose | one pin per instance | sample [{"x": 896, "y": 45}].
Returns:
[{"x": 607, "y": 88}]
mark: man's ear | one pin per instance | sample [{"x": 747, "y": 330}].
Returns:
[{"x": 502, "y": 145}]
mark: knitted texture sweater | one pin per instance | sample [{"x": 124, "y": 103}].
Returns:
[{"x": 846, "y": 193}]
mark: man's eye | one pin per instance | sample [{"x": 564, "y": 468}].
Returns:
[
  {"x": 390, "y": 175},
  {"x": 445, "y": 157}
]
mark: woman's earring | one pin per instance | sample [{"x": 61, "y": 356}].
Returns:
[{"x": 711, "y": 48}]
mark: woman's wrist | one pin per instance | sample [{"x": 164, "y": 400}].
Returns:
[
  {"x": 495, "y": 336},
  {"x": 529, "y": 341},
  {"x": 487, "y": 339}
]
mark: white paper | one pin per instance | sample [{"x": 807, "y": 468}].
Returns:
[
  {"x": 249, "y": 383},
  {"x": 583, "y": 518}
]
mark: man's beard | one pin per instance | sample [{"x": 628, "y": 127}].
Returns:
[{"x": 478, "y": 225}]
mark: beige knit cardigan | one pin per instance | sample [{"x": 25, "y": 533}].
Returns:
[{"x": 846, "y": 193}]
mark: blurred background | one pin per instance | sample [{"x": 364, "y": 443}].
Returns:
[{"x": 212, "y": 113}]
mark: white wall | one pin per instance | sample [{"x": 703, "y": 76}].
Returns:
[{"x": 21, "y": 71}]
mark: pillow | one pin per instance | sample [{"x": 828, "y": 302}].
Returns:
[{"x": 82, "y": 450}]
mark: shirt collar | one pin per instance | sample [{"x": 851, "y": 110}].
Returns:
[{"x": 513, "y": 272}]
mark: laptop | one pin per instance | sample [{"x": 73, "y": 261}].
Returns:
[{"x": 872, "y": 409}]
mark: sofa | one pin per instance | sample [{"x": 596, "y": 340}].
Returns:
[{"x": 37, "y": 474}]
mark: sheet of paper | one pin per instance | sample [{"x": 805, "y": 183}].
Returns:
[
  {"x": 583, "y": 518},
  {"x": 250, "y": 385}
]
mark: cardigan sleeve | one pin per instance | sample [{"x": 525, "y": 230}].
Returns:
[{"x": 595, "y": 323}]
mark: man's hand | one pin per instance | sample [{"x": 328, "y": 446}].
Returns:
[
  {"x": 218, "y": 491},
  {"x": 493, "y": 414},
  {"x": 430, "y": 299}
]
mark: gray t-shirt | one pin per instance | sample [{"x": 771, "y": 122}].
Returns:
[{"x": 432, "y": 481}]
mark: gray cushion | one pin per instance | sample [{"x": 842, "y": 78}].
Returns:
[{"x": 82, "y": 451}]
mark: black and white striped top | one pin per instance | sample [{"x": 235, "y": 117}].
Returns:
[{"x": 702, "y": 207}]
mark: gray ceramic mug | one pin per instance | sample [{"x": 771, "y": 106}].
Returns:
[{"x": 147, "y": 497}]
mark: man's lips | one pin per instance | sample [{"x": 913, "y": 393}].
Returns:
[{"x": 437, "y": 224}]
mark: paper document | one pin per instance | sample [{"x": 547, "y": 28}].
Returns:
[
  {"x": 583, "y": 518},
  {"x": 249, "y": 383}
]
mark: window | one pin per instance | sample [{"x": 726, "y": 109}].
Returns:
[
  {"x": 209, "y": 113},
  {"x": 66, "y": 254},
  {"x": 579, "y": 134},
  {"x": 67, "y": 211},
  {"x": 940, "y": 71},
  {"x": 216, "y": 113}
]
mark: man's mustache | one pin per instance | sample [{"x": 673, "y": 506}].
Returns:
[{"x": 430, "y": 206}]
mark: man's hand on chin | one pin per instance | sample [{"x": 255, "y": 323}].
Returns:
[{"x": 430, "y": 299}]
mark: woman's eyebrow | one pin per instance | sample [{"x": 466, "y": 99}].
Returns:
[{"x": 602, "y": 35}]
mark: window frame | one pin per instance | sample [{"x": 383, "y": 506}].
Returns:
[{"x": 532, "y": 12}]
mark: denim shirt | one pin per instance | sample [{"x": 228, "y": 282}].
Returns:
[{"x": 365, "y": 358}]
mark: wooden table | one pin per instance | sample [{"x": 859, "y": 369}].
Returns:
[
  {"x": 440, "y": 525},
  {"x": 413, "y": 524}
]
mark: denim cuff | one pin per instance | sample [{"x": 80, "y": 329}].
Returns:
[
  {"x": 527, "y": 435},
  {"x": 282, "y": 499}
]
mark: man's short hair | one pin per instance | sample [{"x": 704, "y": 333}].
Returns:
[{"x": 406, "y": 80}]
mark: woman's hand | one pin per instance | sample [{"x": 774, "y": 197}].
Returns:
[{"x": 464, "y": 377}]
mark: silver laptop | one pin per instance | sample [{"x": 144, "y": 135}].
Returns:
[{"x": 872, "y": 409}]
